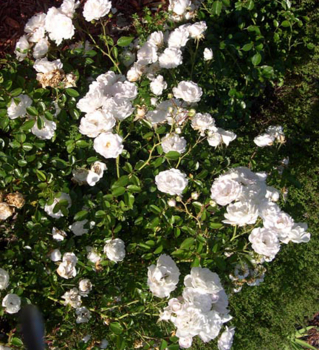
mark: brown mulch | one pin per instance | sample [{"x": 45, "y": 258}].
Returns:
[{"x": 15, "y": 13}]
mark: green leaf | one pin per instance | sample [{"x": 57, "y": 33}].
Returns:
[
  {"x": 172, "y": 155},
  {"x": 250, "y": 5},
  {"x": 28, "y": 125},
  {"x": 155, "y": 209},
  {"x": 41, "y": 175},
  {"x": 116, "y": 328},
  {"x": 16, "y": 341},
  {"x": 285, "y": 24},
  {"x": 32, "y": 111},
  {"x": 82, "y": 144},
  {"x": 134, "y": 188},
  {"x": 72, "y": 92},
  {"x": 100, "y": 214},
  {"x": 27, "y": 147},
  {"x": 124, "y": 41},
  {"x": 256, "y": 59},
  {"x": 187, "y": 243},
  {"x": 248, "y": 47},
  {"x": 16, "y": 92},
  {"x": 81, "y": 215},
  {"x": 215, "y": 225},
  {"x": 304, "y": 344},
  {"x": 163, "y": 345},
  {"x": 217, "y": 7},
  {"x": 118, "y": 191},
  {"x": 121, "y": 182}
]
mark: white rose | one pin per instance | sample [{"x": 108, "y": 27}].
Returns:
[
  {"x": 22, "y": 47},
  {"x": 68, "y": 7},
  {"x": 58, "y": 235},
  {"x": 211, "y": 327},
  {"x": 203, "y": 122},
  {"x": 158, "y": 85},
  {"x": 264, "y": 140},
  {"x": 44, "y": 66},
  {"x": 66, "y": 268},
  {"x": 241, "y": 213},
  {"x": 119, "y": 108},
  {"x": 147, "y": 53},
  {"x": 41, "y": 48},
  {"x": 160, "y": 114},
  {"x": 124, "y": 90},
  {"x": 115, "y": 249},
  {"x": 173, "y": 142},
  {"x": 58, "y": 25},
  {"x": 96, "y": 173},
  {"x": 95, "y": 9},
  {"x": 72, "y": 297},
  {"x": 85, "y": 286},
  {"x": 47, "y": 131},
  {"x": 156, "y": 39},
  {"x": 92, "y": 255},
  {"x": 178, "y": 38},
  {"x": 188, "y": 91},
  {"x": 202, "y": 301},
  {"x": 11, "y": 303},
  {"x": 203, "y": 280},
  {"x": 179, "y": 6},
  {"x": 264, "y": 242},
  {"x": 276, "y": 131},
  {"x": 4, "y": 279},
  {"x": 163, "y": 277},
  {"x": 225, "y": 190},
  {"x": 20, "y": 109},
  {"x": 225, "y": 341},
  {"x": 246, "y": 176},
  {"x": 108, "y": 145},
  {"x": 190, "y": 323},
  {"x": 281, "y": 223},
  {"x": 298, "y": 234},
  {"x": 175, "y": 305},
  {"x": 83, "y": 314},
  {"x": 35, "y": 27},
  {"x": 171, "y": 181},
  {"x": 171, "y": 202},
  {"x": 227, "y": 136},
  {"x": 135, "y": 72},
  {"x": 208, "y": 54},
  {"x": 92, "y": 101},
  {"x": 49, "y": 208},
  {"x": 185, "y": 342},
  {"x": 272, "y": 194},
  {"x": 93, "y": 124},
  {"x": 197, "y": 29},
  {"x": 78, "y": 228},
  {"x": 214, "y": 139},
  {"x": 170, "y": 58},
  {"x": 5, "y": 211},
  {"x": 56, "y": 255}
]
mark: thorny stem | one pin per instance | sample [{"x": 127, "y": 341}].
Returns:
[
  {"x": 149, "y": 157},
  {"x": 191, "y": 215},
  {"x": 199, "y": 140}
]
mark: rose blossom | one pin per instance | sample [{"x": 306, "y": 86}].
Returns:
[
  {"x": 178, "y": 38},
  {"x": 163, "y": 277},
  {"x": 85, "y": 286},
  {"x": 83, "y": 314},
  {"x": 72, "y": 297},
  {"x": 188, "y": 91},
  {"x": 225, "y": 190},
  {"x": 173, "y": 142},
  {"x": 197, "y": 29},
  {"x": 11, "y": 303},
  {"x": 264, "y": 242},
  {"x": 115, "y": 249},
  {"x": 5, "y": 211},
  {"x": 35, "y": 27},
  {"x": 170, "y": 58},
  {"x": 264, "y": 140},
  {"x": 20, "y": 109},
  {"x": 4, "y": 279},
  {"x": 298, "y": 234},
  {"x": 49, "y": 208},
  {"x": 22, "y": 47},
  {"x": 108, "y": 145},
  {"x": 93, "y": 124},
  {"x": 58, "y": 235},
  {"x": 208, "y": 54},
  {"x": 203, "y": 280},
  {"x": 158, "y": 85},
  {"x": 203, "y": 122},
  {"x": 179, "y": 6},
  {"x": 55, "y": 255},
  {"x": 47, "y": 131},
  {"x": 41, "y": 48},
  {"x": 95, "y": 9},
  {"x": 241, "y": 213},
  {"x": 58, "y": 25},
  {"x": 225, "y": 341},
  {"x": 171, "y": 181},
  {"x": 78, "y": 228}
]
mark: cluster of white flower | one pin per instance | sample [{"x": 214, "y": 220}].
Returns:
[
  {"x": 66, "y": 268},
  {"x": 153, "y": 55},
  {"x": 11, "y": 302},
  {"x": 163, "y": 277},
  {"x": 272, "y": 134},
  {"x": 90, "y": 177},
  {"x": 252, "y": 199},
  {"x": 200, "y": 311},
  {"x": 115, "y": 249},
  {"x": 183, "y": 9},
  {"x": 108, "y": 100}
]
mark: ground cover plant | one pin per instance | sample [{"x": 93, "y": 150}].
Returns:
[{"x": 135, "y": 195}]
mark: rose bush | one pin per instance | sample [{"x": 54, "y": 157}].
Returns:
[{"x": 124, "y": 179}]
